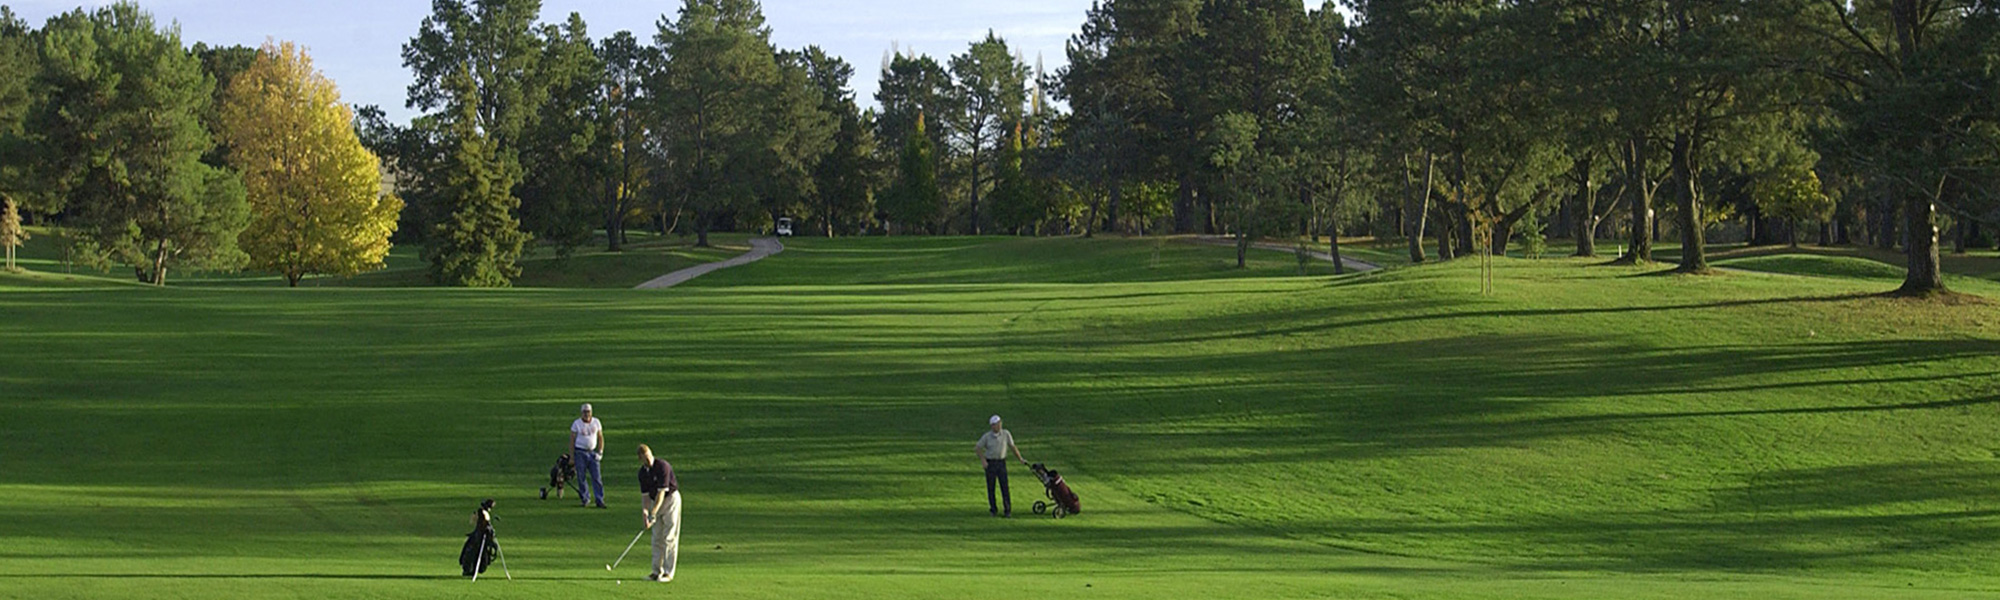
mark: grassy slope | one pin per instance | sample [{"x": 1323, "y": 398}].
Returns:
[
  {"x": 1003, "y": 260},
  {"x": 1587, "y": 432},
  {"x": 648, "y": 256}
]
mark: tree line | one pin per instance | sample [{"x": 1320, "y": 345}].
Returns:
[
  {"x": 1460, "y": 126},
  {"x": 1478, "y": 122},
  {"x": 537, "y": 131},
  {"x": 164, "y": 158}
]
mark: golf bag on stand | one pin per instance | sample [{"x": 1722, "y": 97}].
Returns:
[
  {"x": 480, "y": 547},
  {"x": 478, "y": 552}
]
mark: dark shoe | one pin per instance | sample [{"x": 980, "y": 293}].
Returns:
[
  {"x": 600, "y": 505},
  {"x": 1007, "y": 516}
]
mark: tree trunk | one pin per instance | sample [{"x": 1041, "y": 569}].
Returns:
[
  {"x": 701, "y": 228},
  {"x": 1958, "y": 236},
  {"x": 1422, "y": 210},
  {"x": 1885, "y": 225},
  {"x": 1586, "y": 239},
  {"x": 1333, "y": 249},
  {"x": 1792, "y": 232},
  {"x": 1753, "y": 229},
  {"x": 1584, "y": 214},
  {"x": 614, "y": 235},
  {"x": 1920, "y": 221},
  {"x": 1242, "y": 249},
  {"x": 1924, "y": 277},
  {"x": 292, "y": 279},
  {"x": 1694, "y": 258},
  {"x": 160, "y": 264},
  {"x": 1209, "y": 224},
  {"x": 1184, "y": 206},
  {"x": 1638, "y": 185},
  {"x": 1111, "y": 210},
  {"x": 1462, "y": 231},
  {"x": 975, "y": 189},
  {"x": 1444, "y": 235}
]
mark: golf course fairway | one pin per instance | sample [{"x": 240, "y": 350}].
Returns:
[{"x": 1584, "y": 432}]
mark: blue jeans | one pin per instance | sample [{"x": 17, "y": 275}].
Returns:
[{"x": 588, "y": 476}]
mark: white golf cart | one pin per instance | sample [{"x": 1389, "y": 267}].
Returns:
[{"x": 785, "y": 227}]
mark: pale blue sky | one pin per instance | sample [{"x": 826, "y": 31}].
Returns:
[{"x": 359, "y": 42}]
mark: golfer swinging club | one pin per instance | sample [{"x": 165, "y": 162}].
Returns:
[
  {"x": 661, "y": 508},
  {"x": 586, "y": 451},
  {"x": 992, "y": 449}
]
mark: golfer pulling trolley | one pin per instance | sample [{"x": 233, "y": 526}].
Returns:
[{"x": 992, "y": 449}]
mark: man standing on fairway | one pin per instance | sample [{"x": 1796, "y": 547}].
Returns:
[
  {"x": 992, "y": 449},
  {"x": 586, "y": 450},
  {"x": 661, "y": 499}
]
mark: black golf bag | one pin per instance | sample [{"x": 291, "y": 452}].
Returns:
[
  {"x": 560, "y": 476},
  {"x": 479, "y": 551}
]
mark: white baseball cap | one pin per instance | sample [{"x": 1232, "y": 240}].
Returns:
[
  {"x": 993, "y": 421},
  {"x": 586, "y": 407}
]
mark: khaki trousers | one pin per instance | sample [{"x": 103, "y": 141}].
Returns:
[{"x": 667, "y": 536}]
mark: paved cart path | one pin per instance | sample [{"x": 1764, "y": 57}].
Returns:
[{"x": 760, "y": 248}]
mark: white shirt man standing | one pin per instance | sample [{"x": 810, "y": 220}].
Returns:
[
  {"x": 586, "y": 443},
  {"x": 992, "y": 449}
]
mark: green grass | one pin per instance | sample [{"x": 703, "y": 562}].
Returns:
[
  {"x": 1585, "y": 432},
  {"x": 1003, "y": 260},
  {"x": 646, "y": 257},
  {"x": 1816, "y": 265}
]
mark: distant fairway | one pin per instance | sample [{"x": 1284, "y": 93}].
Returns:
[{"x": 1588, "y": 432}]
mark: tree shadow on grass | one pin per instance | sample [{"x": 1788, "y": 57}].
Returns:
[{"x": 1848, "y": 519}]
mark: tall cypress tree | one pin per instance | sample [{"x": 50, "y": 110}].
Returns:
[{"x": 914, "y": 201}]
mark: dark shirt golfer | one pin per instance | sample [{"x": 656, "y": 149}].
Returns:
[
  {"x": 661, "y": 494},
  {"x": 992, "y": 449}
]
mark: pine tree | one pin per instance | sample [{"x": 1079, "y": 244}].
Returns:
[
  {"x": 915, "y": 201},
  {"x": 119, "y": 125},
  {"x": 479, "y": 240}
]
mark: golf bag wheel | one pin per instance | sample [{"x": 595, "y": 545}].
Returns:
[
  {"x": 1041, "y": 507},
  {"x": 1060, "y": 512}
]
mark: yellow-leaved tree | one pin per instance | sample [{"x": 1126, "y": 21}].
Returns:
[{"x": 316, "y": 199}]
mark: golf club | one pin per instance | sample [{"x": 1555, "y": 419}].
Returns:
[{"x": 621, "y": 555}]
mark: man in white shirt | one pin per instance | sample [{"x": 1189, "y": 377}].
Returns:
[
  {"x": 586, "y": 451},
  {"x": 992, "y": 449}
]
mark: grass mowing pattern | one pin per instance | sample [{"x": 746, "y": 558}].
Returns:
[
  {"x": 1587, "y": 432},
  {"x": 646, "y": 257}
]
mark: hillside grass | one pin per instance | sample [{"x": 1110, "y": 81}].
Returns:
[
  {"x": 1004, "y": 260},
  {"x": 1585, "y": 432},
  {"x": 645, "y": 257}
]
